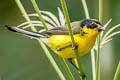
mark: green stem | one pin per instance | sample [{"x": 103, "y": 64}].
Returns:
[
  {"x": 92, "y": 51},
  {"x": 67, "y": 68},
  {"x": 24, "y": 13},
  {"x": 38, "y": 12},
  {"x": 93, "y": 64},
  {"x": 40, "y": 42},
  {"x": 98, "y": 60},
  {"x": 99, "y": 38},
  {"x": 117, "y": 73},
  {"x": 63, "y": 3},
  {"x": 100, "y": 10},
  {"x": 85, "y": 9},
  {"x": 40, "y": 17}
]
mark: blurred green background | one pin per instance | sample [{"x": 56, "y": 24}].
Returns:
[{"x": 21, "y": 58}]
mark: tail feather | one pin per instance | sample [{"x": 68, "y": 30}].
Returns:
[{"x": 25, "y": 32}]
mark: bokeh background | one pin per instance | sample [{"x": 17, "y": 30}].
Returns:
[{"x": 22, "y": 58}]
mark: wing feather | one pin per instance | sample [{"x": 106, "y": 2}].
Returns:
[{"x": 63, "y": 29}]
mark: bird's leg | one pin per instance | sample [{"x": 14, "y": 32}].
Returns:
[
  {"x": 59, "y": 49},
  {"x": 81, "y": 75},
  {"x": 75, "y": 46},
  {"x": 70, "y": 45},
  {"x": 70, "y": 60}
]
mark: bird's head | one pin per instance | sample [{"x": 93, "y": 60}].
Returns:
[{"x": 91, "y": 26}]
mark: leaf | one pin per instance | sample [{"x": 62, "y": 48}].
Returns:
[
  {"x": 34, "y": 23},
  {"x": 111, "y": 35},
  {"x": 53, "y": 17},
  {"x": 110, "y": 30},
  {"x": 41, "y": 25},
  {"x": 105, "y": 26},
  {"x": 46, "y": 18},
  {"x": 61, "y": 16},
  {"x": 42, "y": 30},
  {"x": 31, "y": 22},
  {"x": 104, "y": 42}
]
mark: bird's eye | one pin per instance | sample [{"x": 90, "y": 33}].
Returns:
[{"x": 93, "y": 25}]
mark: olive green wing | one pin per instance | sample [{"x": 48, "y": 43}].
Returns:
[{"x": 64, "y": 30}]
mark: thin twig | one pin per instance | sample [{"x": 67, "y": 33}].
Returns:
[
  {"x": 38, "y": 12},
  {"x": 99, "y": 42}
]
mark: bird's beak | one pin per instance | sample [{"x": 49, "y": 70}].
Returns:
[{"x": 100, "y": 29}]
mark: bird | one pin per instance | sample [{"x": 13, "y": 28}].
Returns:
[{"x": 58, "y": 39}]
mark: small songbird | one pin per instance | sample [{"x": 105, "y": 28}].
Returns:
[{"x": 58, "y": 39}]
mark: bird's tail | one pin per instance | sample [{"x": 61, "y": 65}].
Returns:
[{"x": 26, "y": 32}]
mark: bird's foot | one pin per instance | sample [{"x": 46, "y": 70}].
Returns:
[{"x": 75, "y": 47}]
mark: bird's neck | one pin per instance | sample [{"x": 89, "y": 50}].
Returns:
[{"x": 91, "y": 32}]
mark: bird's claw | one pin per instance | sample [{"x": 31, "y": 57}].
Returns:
[
  {"x": 75, "y": 47},
  {"x": 83, "y": 76},
  {"x": 58, "y": 49}
]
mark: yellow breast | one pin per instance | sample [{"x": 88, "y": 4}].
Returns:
[{"x": 85, "y": 43}]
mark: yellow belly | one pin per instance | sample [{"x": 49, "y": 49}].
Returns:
[{"x": 85, "y": 43}]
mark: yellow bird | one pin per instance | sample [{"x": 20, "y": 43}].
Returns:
[{"x": 58, "y": 39}]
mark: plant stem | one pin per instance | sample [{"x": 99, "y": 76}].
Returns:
[
  {"x": 24, "y": 13},
  {"x": 63, "y": 3},
  {"x": 92, "y": 51},
  {"x": 67, "y": 68},
  {"x": 40, "y": 42},
  {"x": 99, "y": 38},
  {"x": 98, "y": 60},
  {"x": 117, "y": 73},
  {"x": 100, "y": 10},
  {"x": 85, "y": 9},
  {"x": 38, "y": 12},
  {"x": 93, "y": 64},
  {"x": 43, "y": 22}
]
